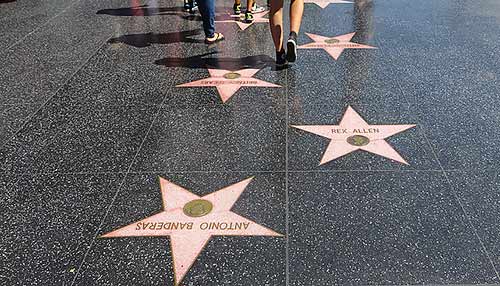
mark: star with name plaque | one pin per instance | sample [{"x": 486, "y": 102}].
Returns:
[
  {"x": 334, "y": 46},
  {"x": 354, "y": 133},
  {"x": 229, "y": 82},
  {"x": 190, "y": 221}
]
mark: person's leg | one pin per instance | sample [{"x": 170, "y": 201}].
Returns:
[
  {"x": 248, "y": 12},
  {"x": 276, "y": 27},
  {"x": 250, "y": 4},
  {"x": 276, "y": 23},
  {"x": 237, "y": 7},
  {"x": 296, "y": 11},
  {"x": 207, "y": 11}
]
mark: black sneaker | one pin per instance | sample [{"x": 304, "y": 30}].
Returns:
[
  {"x": 237, "y": 9},
  {"x": 248, "y": 17},
  {"x": 193, "y": 6},
  {"x": 291, "y": 48},
  {"x": 281, "y": 58},
  {"x": 186, "y": 5}
]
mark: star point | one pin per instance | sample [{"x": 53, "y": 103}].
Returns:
[
  {"x": 334, "y": 46},
  {"x": 354, "y": 133},
  {"x": 324, "y": 3},
  {"x": 190, "y": 221}
]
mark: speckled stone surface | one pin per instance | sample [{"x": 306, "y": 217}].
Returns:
[
  {"x": 48, "y": 224},
  {"x": 224, "y": 260},
  {"x": 373, "y": 227},
  {"x": 91, "y": 117}
]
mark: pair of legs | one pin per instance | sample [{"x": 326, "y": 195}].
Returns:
[
  {"x": 276, "y": 23},
  {"x": 249, "y": 4},
  {"x": 207, "y": 11}
]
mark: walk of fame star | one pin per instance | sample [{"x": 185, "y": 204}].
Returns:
[
  {"x": 258, "y": 18},
  {"x": 354, "y": 133},
  {"x": 334, "y": 46},
  {"x": 324, "y": 3},
  {"x": 190, "y": 221},
  {"x": 229, "y": 82}
]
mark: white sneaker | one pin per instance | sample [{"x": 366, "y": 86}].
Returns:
[{"x": 257, "y": 9}]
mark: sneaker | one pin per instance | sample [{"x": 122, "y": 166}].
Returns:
[
  {"x": 248, "y": 17},
  {"x": 291, "y": 48},
  {"x": 186, "y": 5},
  {"x": 237, "y": 9},
  {"x": 281, "y": 58},
  {"x": 257, "y": 9},
  {"x": 193, "y": 6}
]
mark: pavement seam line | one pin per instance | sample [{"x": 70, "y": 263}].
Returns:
[
  {"x": 447, "y": 179},
  {"x": 99, "y": 228}
]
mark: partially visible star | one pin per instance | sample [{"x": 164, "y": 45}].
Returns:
[
  {"x": 229, "y": 82},
  {"x": 324, "y": 3},
  {"x": 334, "y": 46},
  {"x": 258, "y": 18},
  {"x": 354, "y": 133},
  {"x": 190, "y": 221}
]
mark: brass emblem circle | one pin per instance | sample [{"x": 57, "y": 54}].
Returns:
[
  {"x": 197, "y": 208},
  {"x": 232, "y": 75},
  {"x": 358, "y": 140},
  {"x": 332, "y": 41}
]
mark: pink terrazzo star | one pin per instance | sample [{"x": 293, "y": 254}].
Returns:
[
  {"x": 257, "y": 18},
  {"x": 190, "y": 221},
  {"x": 229, "y": 82},
  {"x": 353, "y": 133},
  {"x": 324, "y": 3},
  {"x": 334, "y": 46}
]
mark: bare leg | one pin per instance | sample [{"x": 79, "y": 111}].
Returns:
[
  {"x": 296, "y": 11},
  {"x": 237, "y": 2},
  {"x": 249, "y": 5},
  {"x": 276, "y": 23}
]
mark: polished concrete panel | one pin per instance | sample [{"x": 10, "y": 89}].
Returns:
[{"x": 131, "y": 153}]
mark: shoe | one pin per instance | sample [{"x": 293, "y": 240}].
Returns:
[
  {"x": 193, "y": 6},
  {"x": 216, "y": 38},
  {"x": 257, "y": 9},
  {"x": 186, "y": 5},
  {"x": 237, "y": 9},
  {"x": 248, "y": 17},
  {"x": 281, "y": 58},
  {"x": 291, "y": 48}
]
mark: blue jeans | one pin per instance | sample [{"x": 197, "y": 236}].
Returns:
[{"x": 207, "y": 11}]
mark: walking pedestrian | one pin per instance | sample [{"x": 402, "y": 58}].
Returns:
[
  {"x": 207, "y": 11},
  {"x": 276, "y": 25}
]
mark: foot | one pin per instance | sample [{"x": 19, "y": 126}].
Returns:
[
  {"x": 193, "y": 6},
  {"x": 237, "y": 9},
  {"x": 216, "y": 38},
  {"x": 291, "y": 48},
  {"x": 281, "y": 58},
  {"x": 257, "y": 9},
  {"x": 248, "y": 17}
]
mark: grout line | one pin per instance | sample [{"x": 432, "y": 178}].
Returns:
[
  {"x": 7, "y": 50},
  {"x": 287, "y": 198},
  {"x": 155, "y": 117},
  {"x": 63, "y": 84},
  {"x": 448, "y": 181},
  {"x": 248, "y": 171}
]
